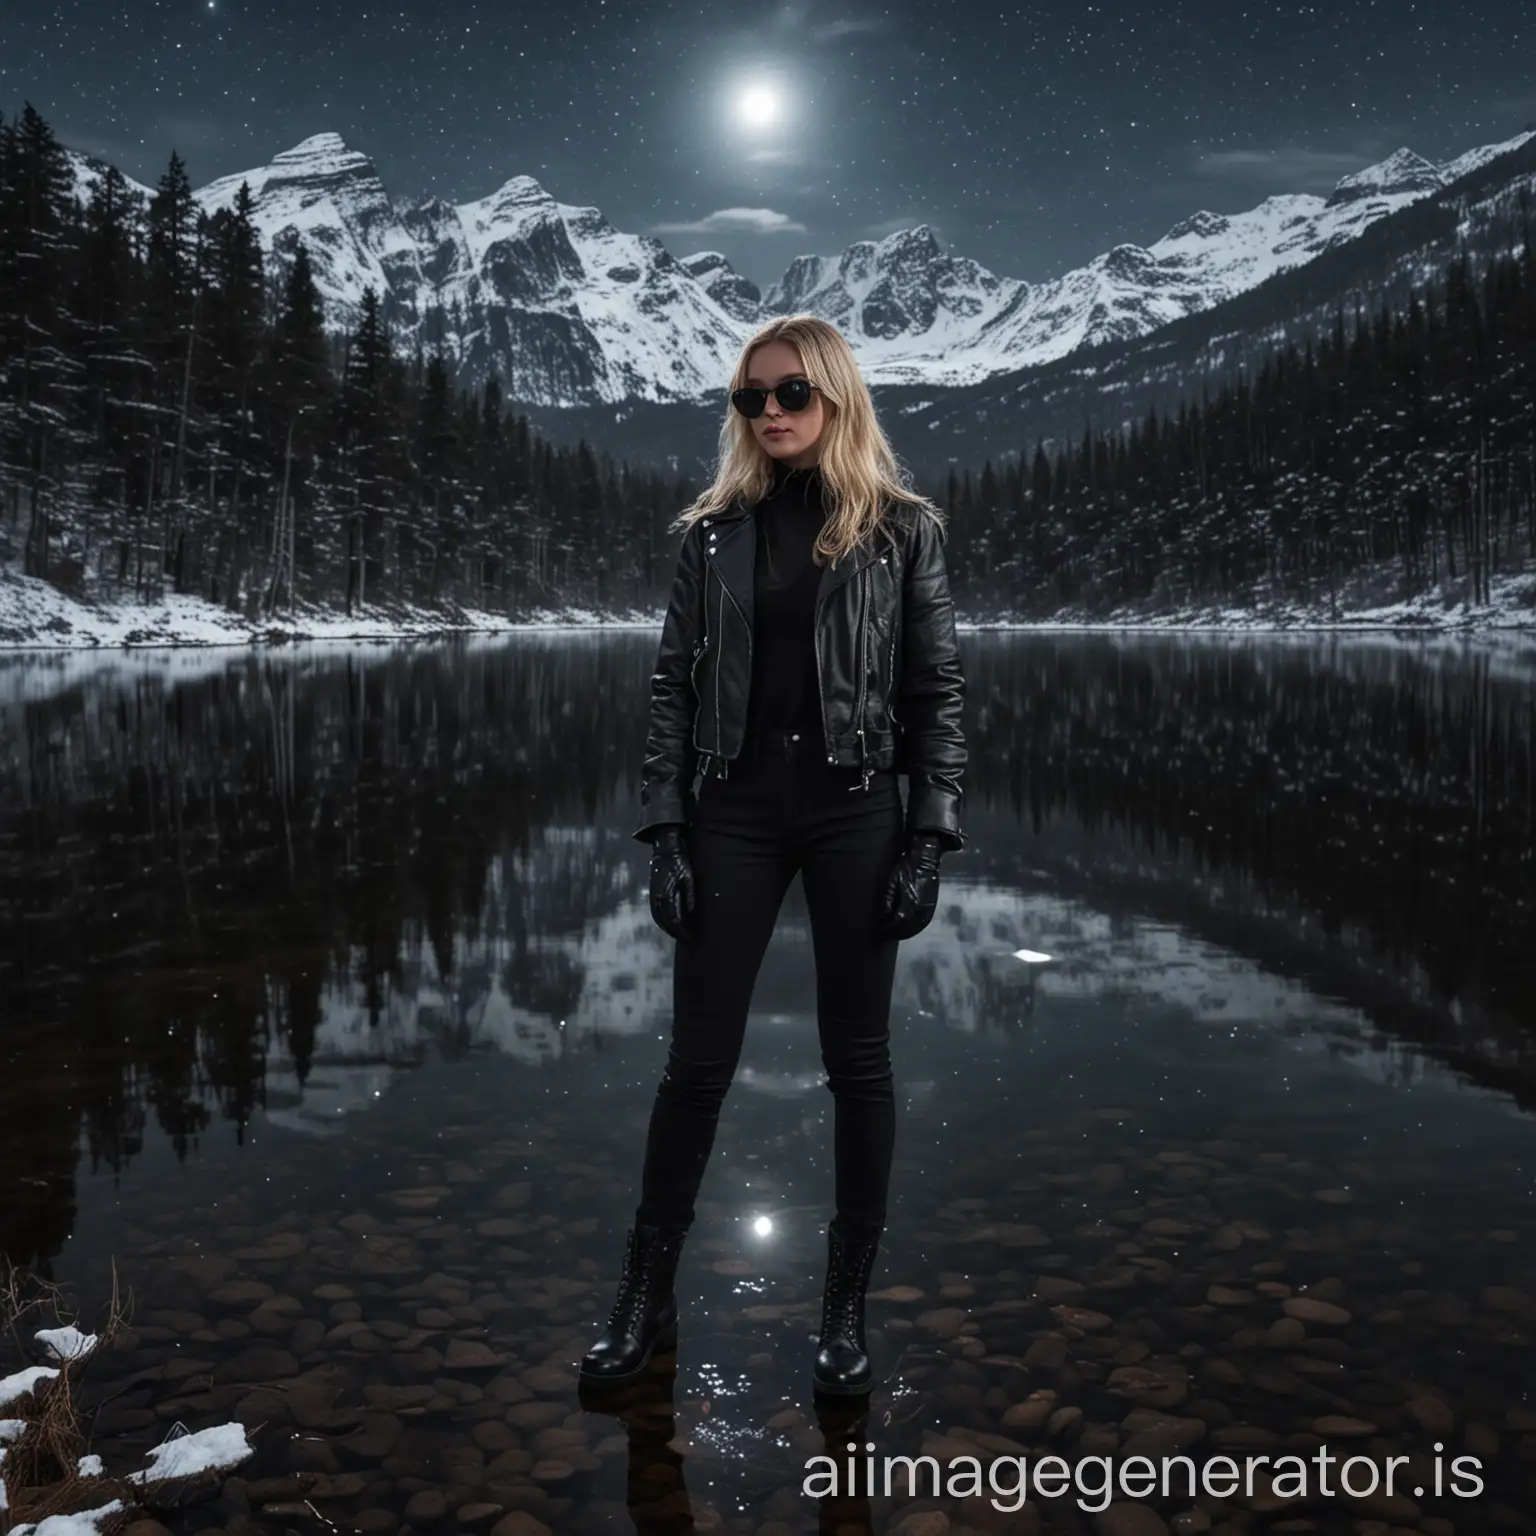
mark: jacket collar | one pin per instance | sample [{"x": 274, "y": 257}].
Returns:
[{"x": 731, "y": 544}]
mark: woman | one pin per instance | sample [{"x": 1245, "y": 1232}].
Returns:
[{"x": 808, "y": 655}]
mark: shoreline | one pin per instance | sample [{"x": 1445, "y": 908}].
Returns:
[{"x": 37, "y": 618}]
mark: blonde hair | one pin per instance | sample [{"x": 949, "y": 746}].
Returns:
[{"x": 857, "y": 464}]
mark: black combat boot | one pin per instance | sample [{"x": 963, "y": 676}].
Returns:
[
  {"x": 644, "y": 1316},
  {"x": 842, "y": 1361}
]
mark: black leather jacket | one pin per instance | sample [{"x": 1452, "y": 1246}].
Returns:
[{"x": 892, "y": 688}]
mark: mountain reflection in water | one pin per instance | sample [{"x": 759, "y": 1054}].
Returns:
[{"x": 338, "y": 962}]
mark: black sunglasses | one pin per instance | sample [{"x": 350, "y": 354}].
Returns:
[{"x": 792, "y": 394}]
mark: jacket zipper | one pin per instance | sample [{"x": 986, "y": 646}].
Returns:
[
  {"x": 700, "y": 651},
  {"x": 821, "y": 686},
  {"x": 863, "y": 651},
  {"x": 724, "y": 766},
  {"x": 890, "y": 692}
]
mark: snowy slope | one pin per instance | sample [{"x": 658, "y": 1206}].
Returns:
[
  {"x": 331, "y": 197},
  {"x": 569, "y": 310},
  {"x": 916, "y": 316},
  {"x": 88, "y": 170},
  {"x": 737, "y": 295}
]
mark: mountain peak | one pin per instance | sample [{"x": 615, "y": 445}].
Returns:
[
  {"x": 1401, "y": 172},
  {"x": 920, "y": 240},
  {"x": 738, "y": 296},
  {"x": 316, "y": 146},
  {"x": 570, "y": 310},
  {"x": 1202, "y": 225},
  {"x": 1476, "y": 159},
  {"x": 519, "y": 189},
  {"x": 1128, "y": 261}
]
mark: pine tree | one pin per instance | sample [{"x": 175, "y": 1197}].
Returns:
[
  {"x": 296, "y": 389},
  {"x": 116, "y": 373},
  {"x": 436, "y": 440},
  {"x": 38, "y": 230},
  {"x": 170, "y": 318},
  {"x": 368, "y": 439}
]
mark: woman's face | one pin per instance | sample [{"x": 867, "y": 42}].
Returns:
[{"x": 792, "y": 437}]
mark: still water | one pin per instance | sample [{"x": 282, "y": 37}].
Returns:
[{"x": 331, "y": 1009}]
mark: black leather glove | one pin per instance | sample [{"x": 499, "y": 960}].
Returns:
[
  {"x": 912, "y": 891},
  {"x": 671, "y": 881}
]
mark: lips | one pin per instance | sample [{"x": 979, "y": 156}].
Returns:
[{"x": 776, "y": 432}]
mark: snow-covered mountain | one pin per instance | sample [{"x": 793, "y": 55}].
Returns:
[
  {"x": 569, "y": 310},
  {"x": 917, "y": 316},
  {"x": 738, "y": 296}
]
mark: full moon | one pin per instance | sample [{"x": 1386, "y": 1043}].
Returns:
[{"x": 758, "y": 105}]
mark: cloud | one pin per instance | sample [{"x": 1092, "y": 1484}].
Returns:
[
  {"x": 800, "y": 17},
  {"x": 849, "y": 26},
  {"x": 735, "y": 221},
  {"x": 1288, "y": 165}
]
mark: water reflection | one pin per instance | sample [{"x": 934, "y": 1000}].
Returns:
[
  {"x": 278, "y": 880},
  {"x": 330, "y": 1008}
]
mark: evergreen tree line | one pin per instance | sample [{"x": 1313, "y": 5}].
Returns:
[
  {"x": 1401, "y": 447},
  {"x": 175, "y": 418}
]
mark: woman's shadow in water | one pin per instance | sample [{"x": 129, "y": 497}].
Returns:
[{"x": 656, "y": 1491}]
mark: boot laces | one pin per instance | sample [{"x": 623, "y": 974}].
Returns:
[
  {"x": 844, "y": 1302},
  {"x": 634, "y": 1285}
]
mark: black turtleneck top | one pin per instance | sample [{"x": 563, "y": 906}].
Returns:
[{"x": 786, "y": 693}]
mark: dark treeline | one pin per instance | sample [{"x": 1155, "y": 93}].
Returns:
[
  {"x": 199, "y": 878},
  {"x": 265, "y": 846},
  {"x": 174, "y": 416},
  {"x": 1400, "y": 448}
]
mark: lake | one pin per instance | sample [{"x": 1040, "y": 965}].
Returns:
[{"x": 331, "y": 1011}]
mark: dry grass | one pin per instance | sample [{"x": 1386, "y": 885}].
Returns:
[{"x": 41, "y": 1467}]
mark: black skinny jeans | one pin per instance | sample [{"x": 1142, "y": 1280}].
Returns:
[{"x": 776, "y": 814}]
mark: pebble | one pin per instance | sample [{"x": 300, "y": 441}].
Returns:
[
  {"x": 520, "y": 1523},
  {"x": 946, "y": 1322},
  {"x": 426, "y": 1507},
  {"x": 470, "y": 1355},
  {"x": 1032, "y": 1413},
  {"x": 1431, "y": 1414},
  {"x": 1342, "y": 1426},
  {"x": 1047, "y": 1353},
  {"x": 472, "y": 1515},
  {"x": 551, "y": 1470},
  {"x": 1311, "y": 1310},
  {"x": 926, "y": 1522},
  {"x": 1126, "y": 1518},
  {"x": 1082, "y": 1317},
  {"x": 1228, "y": 1296}
]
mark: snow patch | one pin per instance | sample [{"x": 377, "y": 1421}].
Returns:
[
  {"x": 207, "y": 1450},
  {"x": 66, "y": 1343},
  {"x": 23, "y": 1382},
  {"x": 87, "y": 1523},
  {"x": 37, "y": 616}
]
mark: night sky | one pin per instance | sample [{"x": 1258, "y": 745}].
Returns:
[{"x": 1029, "y": 137}]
